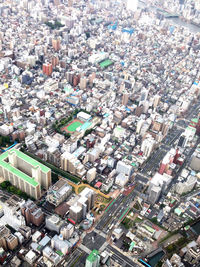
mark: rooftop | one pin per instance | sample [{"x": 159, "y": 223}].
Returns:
[{"x": 16, "y": 171}]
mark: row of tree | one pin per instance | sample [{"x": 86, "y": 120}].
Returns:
[{"x": 6, "y": 185}]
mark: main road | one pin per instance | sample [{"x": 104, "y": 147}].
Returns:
[{"x": 115, "y": 211}]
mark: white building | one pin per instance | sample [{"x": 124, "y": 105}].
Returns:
[
  {"x": 83, "y": 116},
  {"x": 186, "y": 186},
  {"x": 91, "y": 174},
  {"x": 148, "y": 146},
  {"x": 122, "y": 167},
  {"x": 58, "y": 243},
  {"x": 121, "y": 179}
]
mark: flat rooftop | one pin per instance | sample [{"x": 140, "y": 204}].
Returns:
[{"x": 16, "y": 171}]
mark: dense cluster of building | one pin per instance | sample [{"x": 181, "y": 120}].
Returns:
[{"x": 107, "y": 97}]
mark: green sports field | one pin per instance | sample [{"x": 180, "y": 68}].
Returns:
[
  {"x": 105, "y": 63},
  {"x": 72, "y": 127}
]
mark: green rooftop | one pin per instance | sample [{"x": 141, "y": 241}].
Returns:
[
  {"x": 16, "y": 171},
  {"x": 93, "y": 256}
]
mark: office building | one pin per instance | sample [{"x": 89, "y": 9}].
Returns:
[
  {"x": 58, "y": 192},
  {"x": 30, "y": 257},
  {"x": 89, "y": 194},
  {"x": 24, "y": 172},
  {"x": 193, "y": 255},
  {"x": 195, "y": 162},
  {"x": 186, "y": 186},
  {"x": 83, "y": 204},
  {"x": 93, "y": 260}
]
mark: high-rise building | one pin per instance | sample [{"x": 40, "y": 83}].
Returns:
[
  {"x": 4, "y": 232},
  {"x": 56, "y": 44},
  {"x": 148, "y": 146},
  {"x": 91, "y": 174},
  {"x": 125, "y": 98},
  {"x": 76, "y": 213},
  {"x": 93, "y": 260},
  {"x": 24, "y": 172},
  {"x": 47, "y": 69},
  {"x": 83, "y": 83},
  {"x": 12, "y": 241},
  {"x": 32, "y": 213},
  {"x": 154, "y": 194},
  {"x": 156, "y": 100},
  {"x": 67, "y": 231}
]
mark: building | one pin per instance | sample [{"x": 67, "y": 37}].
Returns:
[
  {"x": 51, "y": 255},
  {"x": 148, "y": 146},
  {"x": 58, "y": 243},
  {"x": 19, "y": 237},
  {"x": 54, "y": 223},
  {"x": 4, "y": 232},
  {"x": 195, "y": 162},
  {"x": 25, "y": 231},
  {"x": 154, "y": 194},
  {"x": 83, "y": 204},
  {"x": 121, "y": 179},
  {"x": 125, "y": 98},
  {"x": 47, "y": 69},
  {"x": 89, "y": 194},
  {"x": 91, "y": 174},
  {"x": 83, "y": 116},
  {"x": 67, "y": 231},
  {"x": 32, "y": 213},
  {"x": 56, "y": 44},
  {"x": 1, "y": 211},
  {"x": 186, "y": 186},
  {"x": 76, "y": 213},
  {"x": 93, "y": 260},
  {"x": 122, "y": 167},
  {"x": 30, "y": 257},
  {"x": 24, "y": 172},
  {"x": 193, "y": 255},
  {"x": 70, "y": 163},
  {"x": 12, "y": 241},
  {"x": 59, "y": 192}
]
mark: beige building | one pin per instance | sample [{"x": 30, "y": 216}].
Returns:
[{"x": 24, "y": 172}]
